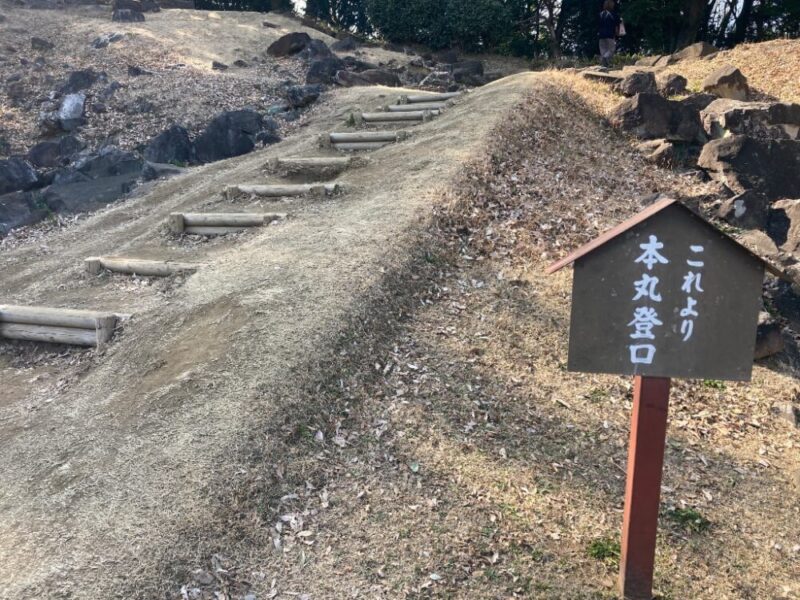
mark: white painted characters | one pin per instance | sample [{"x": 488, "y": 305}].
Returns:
[
  {"x": 645, "y": 318},
  {"x": 692, "y": 284}
]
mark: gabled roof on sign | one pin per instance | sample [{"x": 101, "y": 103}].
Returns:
[{"x": 640, "y": 217}]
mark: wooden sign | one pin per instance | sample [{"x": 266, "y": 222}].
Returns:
[
  {"x": 665, "y": 294},
  {"x": 671, "y": 296}
]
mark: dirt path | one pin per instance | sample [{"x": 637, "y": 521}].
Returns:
[{"x": 108, "y": 457}]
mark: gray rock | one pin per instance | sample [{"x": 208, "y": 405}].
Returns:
[
  {"x": 671, "y": 84},
  {"x": 742, "y": 163},
  {"x": 769, "y": 337},
  {"x": 638, "y": 82},
  {"x": 469, "y": 72},
  {"x": 324, "y": 70},
  {"x": 137, "y": 71},
  {"x": 241, "y": 64},
  {"x": 369, "y": 77},
  {"x": 80, "y": 80},
  {"x": 694, "y": 52},
  {"x": 698, "y": 102},
  {"x": 788, "y": 412},
  {"x": 18, "y": 209},
  {"x": 651, "y": 116},
  {"x": 784, "y": 225},
  {"x": 152, "y": 171},
  {"x": 661, "y": 152},
  {"x": 108, "y": 92},
  {"x": 17, "y": 174},
  {"x": 446, "y": 57},
  {"x": 109, "y": 161},
  {"x": 441, "y": 81},
  {"x": 727, "y": 82},
  {"x": 172, "y": 145},
  {"x": 315, "y": 49},
  {"x": 55, "y": 153},
  {"x": 347, "y": 44},
  {"x": 300, "y": 96},
  {"x": 647, "y": 61},
  {"x": 229, "y": 134},
  {"x": 70, "y": 113},
  {"x": 218, "y": 66},
  {"x": 127, "y": 16},
  {"x": 108, "y": 38},
  {"x": 772, "y": 120},
  {"x": 41, "y": 44},
  {"x": 748, "y": 210},
  {"x": 87, "y": 195},
  {"x": 289, "y": 44}
]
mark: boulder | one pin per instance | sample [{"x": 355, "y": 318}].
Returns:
[
  {"x": 109, "y": 161},
  {"x": 650, "y": 116},
  {"x": 41, "y": 44},
  {"x": 469, "y": 72},
  {"x": 347, "y": 44},
  {"x": 441, "y": 81},
  {"x": 218, "y": 66},
  {"x": 87, "y": 195},
  {"x": 771, "y": 167},
  {"x": 351, "y": 63},
  {"x": 229, "y": 134},
  {"x": 747, "y": 210},
  {"x": 80, "y": 80},
  {"x": 108, "y": 38},
  {"x": 314, "y": 50},
  {"x": 698, "y": 102},
  {"x": 300, "y": 96},
  {"x": 647, "y": 61},
  {"x": 70, "y": 113},
  {"x": 18, "y": 209},
  {"x": 727, "y": 82},
  {"x": 769, "y": 337},
  {"x": 660, "y": 152},
  {"x": 671, "y": 84},
  {"x": 152, "y": 171},
  {"x": 324, "y": 70},
  {"x": 17, "y": 174},
  {"x": 694, "y": 52},
  {"x": 55, "y": 153},
  {"x": 289, "y": 44},
  {"x": 446, "y": 57},
  {"x": 760, "y": 244},
  {"x": 127, "y": 16},
  {"x": 638, "y": 82},
  {"x": 784, "y": 225},
  {"x": 773, "y": 120},
  {"x": 172, "y": 145},
  {"x": 368, "y": 77}
]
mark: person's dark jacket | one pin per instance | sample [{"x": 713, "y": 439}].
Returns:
[{"x": 608, "y": 25}]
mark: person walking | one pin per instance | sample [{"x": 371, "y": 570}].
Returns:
[{"x": 610, "y": 22}]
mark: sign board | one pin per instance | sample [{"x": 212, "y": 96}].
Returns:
[
  {"x": 664, "y": 294},
  {"x": 668, "y": 296}
]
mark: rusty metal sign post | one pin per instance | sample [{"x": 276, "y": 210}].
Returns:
[{"x": 664, "y": 294}]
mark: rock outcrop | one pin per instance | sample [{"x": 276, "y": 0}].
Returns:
[
  {"x": 727, "y": 82},
  {"x": 772, "y": 120}
]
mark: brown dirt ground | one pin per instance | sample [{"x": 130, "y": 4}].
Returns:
[{"x": 109, "y": 457}]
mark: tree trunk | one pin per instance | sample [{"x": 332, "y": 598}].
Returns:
[
  {"x": 693, "y": 13},
  {"x": 742, "y": 21}
]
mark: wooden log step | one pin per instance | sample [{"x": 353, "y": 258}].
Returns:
[
  {"x": 219, "y": 223},
  {"x": 357, "y": 146},
  {"x": 368, "y": 136},
  {"x": 327, "y": 165},
  {"x": 137, "y": 266},
  {"x": 56, "y": 325},
  {"x": 394, "y": 117},
  {"x": 281, "y": 191},
  {"x": 416, "y": 98},
  {"x": 414, "y": 107}
]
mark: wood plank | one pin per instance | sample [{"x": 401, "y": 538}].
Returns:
[
  {"x": 368, "y": 136},
  {"x": 47, "y": 333},
  {"x": 57, "y": 317},
  {"x": 137, "y": 266},
  {"x": 417, "y": 98}
]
